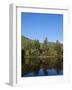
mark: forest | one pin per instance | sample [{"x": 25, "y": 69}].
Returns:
[{"x": 36, "y": 55}]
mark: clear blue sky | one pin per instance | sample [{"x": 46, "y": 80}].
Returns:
[{"x": 38, "y": 26}]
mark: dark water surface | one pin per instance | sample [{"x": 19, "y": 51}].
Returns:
[
  {"x": 41, "y": 72},
  {"x": 42, "y": 67}
]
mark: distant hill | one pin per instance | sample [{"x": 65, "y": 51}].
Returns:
[{"x": 25, "y": 41}]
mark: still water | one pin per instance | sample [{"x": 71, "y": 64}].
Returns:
[
  {"x": 41, "y": 72},
  {"x": 50, "y": 66}
]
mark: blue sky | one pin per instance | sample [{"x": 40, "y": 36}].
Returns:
[{"x": 38, "y": 26}]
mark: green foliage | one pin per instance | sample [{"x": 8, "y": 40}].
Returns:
[
  {"x": 36, "y": 44},
  {"x": 46, "y": 41},
  {"x": 58, "y": 48}
]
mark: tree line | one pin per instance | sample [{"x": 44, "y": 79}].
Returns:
[{"x": 35, "y": 49}]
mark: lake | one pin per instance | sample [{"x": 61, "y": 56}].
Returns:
[
  {"x": 41, "y": 72},
  {"x": 42, "y": 67}
]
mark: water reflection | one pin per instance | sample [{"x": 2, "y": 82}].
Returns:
[
  {"x": 41, "y": 72},
  {"x": 42, "y": 67}
]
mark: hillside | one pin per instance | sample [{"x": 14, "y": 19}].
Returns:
[{"x": 26, "y": 41}]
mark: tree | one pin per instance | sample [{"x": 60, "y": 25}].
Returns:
[
  {"x": 58, "y": 48},
  {"x": 59, "y": 56},
  {"x": 46, "y": 41},
  {"x": 45, "y": 47},
  {"x": 35, "y": 50},
  {"x": 37, "y": 44}
]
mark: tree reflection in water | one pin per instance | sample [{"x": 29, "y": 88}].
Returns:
[{"x": 42, "y": 67}]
